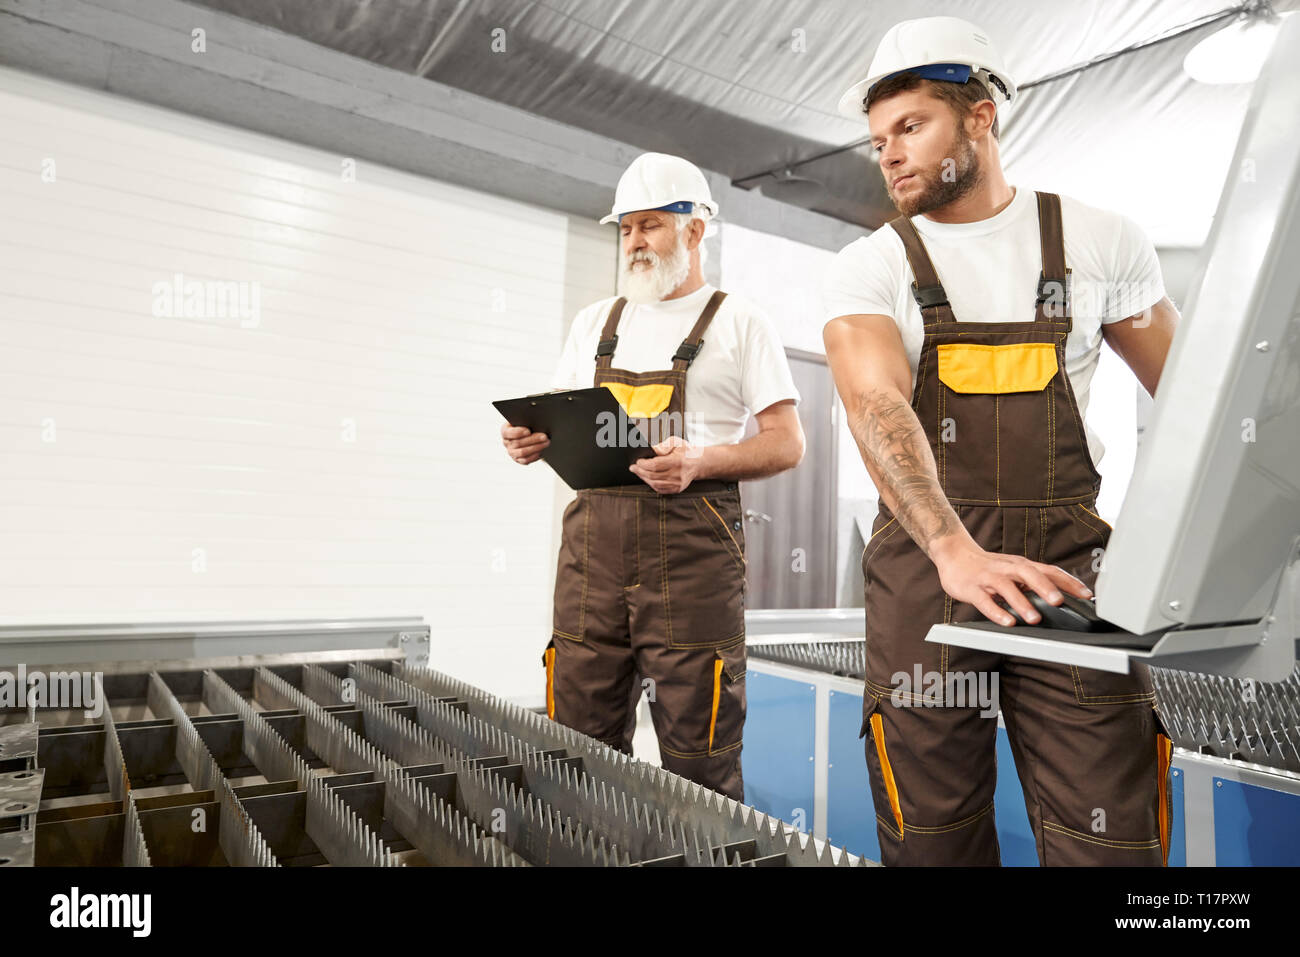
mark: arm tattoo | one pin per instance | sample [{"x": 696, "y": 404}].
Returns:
[{"x": 888, "y": 433}]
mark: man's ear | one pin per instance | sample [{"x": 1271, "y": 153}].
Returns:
[
  {"x": 696, "y": 227},
  {"x": 980, "y": 119}
]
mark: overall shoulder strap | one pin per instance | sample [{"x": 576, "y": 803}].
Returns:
[
  {"x": 690, "y": 346},
  {"x": 609, "y": 334},
  {"x": 926, "y": 288},
  {"x": 1053, "y": 301}
]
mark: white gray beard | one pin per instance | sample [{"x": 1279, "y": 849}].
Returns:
[{"x": 653, "y": 284}]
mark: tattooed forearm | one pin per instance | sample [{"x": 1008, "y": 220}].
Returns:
[{"x": 891, "y": 438}]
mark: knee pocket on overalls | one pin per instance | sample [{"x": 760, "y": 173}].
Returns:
[
  {"x": 703, "y": 569},
  {"x": 727, "y": 704},
  {"x": 573, "y": 572},
  {"x": 712, "y": 721},
  {"x": 873, "y": 725}
]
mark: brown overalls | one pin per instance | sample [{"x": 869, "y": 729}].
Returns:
[
  {"x": 1009, "y": 444},
  {"x": 650, "y": 594}
]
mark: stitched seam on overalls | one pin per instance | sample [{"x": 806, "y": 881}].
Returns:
[
  {"x": 716, "y": 537},
  {"x": 1051, "y": 432},
  {"x": 1078, "y": 429},
  {"x": 1109, "y": 527},
  {"x": 564, "y": 634},
  {"x": 1041, "y": 534},
  {"x": 1103, "y": 841},
  {"x": 893, "y": 831},
  {"x": 920, "y": 376},
  {"x": 1099, "y": 699},
  {"x": 715, "y": 643},
  {"x": 663, "y": 567},
  {"x": 700, "y": 754},
  {"x": 919, "y": 829},
  {"x": 637, "y": 524},
  {"x": 880, "y": 691},
  {"x": 586, "y": 569},
  {"x": 883, "y": 540},
  {"x": 943, "y": 446},
  {"x": 1091, "y": 527},
  {"x": 997, "y": 449},
  {"x": 868, "y": 542},
  {"x": 740, "y": 552}
]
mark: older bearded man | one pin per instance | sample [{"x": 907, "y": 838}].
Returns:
[{"x": 651, "y": 578}]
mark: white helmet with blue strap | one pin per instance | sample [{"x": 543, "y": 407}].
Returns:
[
  {"x": 938, "y": 48},
  {"x": 659, "y": 181}
]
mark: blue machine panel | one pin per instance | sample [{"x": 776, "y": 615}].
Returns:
[
  {"x": 1178, "y": 823},
  {"x": 779, "y": 741},
  {"x": 1015, "y": 838},
  {"x": 1255, "y": 826},
  {"x": 850, "y": 817}
]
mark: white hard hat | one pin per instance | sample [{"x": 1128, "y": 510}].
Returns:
[
  {"x": 938, "y": 48},
  {"x": 661, "y": 181}
]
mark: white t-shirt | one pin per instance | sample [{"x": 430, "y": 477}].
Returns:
[
  {"x": 990, "y": 271},
  {"x": 740, "y": 369}
]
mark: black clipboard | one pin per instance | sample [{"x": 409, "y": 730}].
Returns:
[{"x": 572, "y": 420}]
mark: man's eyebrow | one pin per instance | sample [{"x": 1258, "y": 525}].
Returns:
[{"x": 918, "y": 114}]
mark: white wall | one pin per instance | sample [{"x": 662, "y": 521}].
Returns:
[
  {"x": 784, "y": 277},
  {"x": 335, "y": 455}
]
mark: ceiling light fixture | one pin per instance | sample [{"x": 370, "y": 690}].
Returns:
[{"x": 1236, "y": 53}]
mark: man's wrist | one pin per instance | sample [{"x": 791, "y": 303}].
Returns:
[
  {"x": 945, "y": 547},
  {"x": 705, "y": 460}
]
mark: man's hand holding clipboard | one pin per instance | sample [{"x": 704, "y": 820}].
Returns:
[{"x": 583, "y": 434}]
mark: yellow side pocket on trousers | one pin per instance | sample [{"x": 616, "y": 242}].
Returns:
[
  {"x": 717, "y": 696},
  {"x": 1164, "y": 759},
  {"x": 1017, "y": 367},
  {"x": 548, "y": 659},
  {"x": 878, "y": 735}
]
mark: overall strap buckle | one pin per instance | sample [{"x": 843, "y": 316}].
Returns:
[
  {"x": 687, "y": 351},
  {"x": 927, "y": 297},
  {"x": 1055, "y": 292},
  {"x": 606, "y": 347}
]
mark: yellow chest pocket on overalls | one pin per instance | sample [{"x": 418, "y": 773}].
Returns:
[
  {"x": 642, "y": 401},
  {"x": 989, "y": 370}
]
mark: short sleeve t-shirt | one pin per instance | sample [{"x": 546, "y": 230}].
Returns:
[
  {"x": 741, "y": 368},
  {"x": 990, "y": 271}
]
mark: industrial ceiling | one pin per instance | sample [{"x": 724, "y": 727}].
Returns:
[{"x": 743, "y": 87}]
